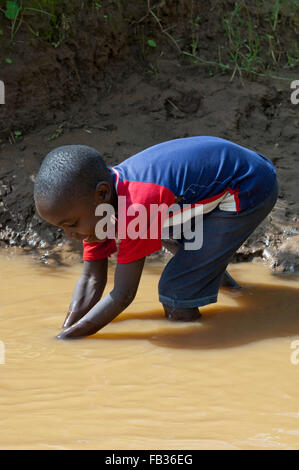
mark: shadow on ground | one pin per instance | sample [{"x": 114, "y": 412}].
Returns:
[{"x": 261, "y": 312}]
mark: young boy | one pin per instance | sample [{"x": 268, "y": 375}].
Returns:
[{"x": 227, "y": 188}]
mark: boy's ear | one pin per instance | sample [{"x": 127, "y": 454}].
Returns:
[{"x": 103, "y": 193}]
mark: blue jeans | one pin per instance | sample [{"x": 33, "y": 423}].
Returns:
[{"x": 192, "y": 278}]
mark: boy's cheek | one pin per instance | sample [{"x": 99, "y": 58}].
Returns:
[
  {"x": 93, "y": 239},
  {"x": 104, "y": 229}
]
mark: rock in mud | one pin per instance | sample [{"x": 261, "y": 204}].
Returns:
[{"x": 286, "y": 258}]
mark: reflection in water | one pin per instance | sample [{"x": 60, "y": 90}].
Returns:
[
  {"x": 260, "y": 312},
  {"x": 143, "y": 382}
]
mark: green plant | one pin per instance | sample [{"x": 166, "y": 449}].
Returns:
[
  {"x": 194, "y": 22},
  {"x": 293, "y": 56},
  {"x": 14, "y": 136},
  {"x": 151, "y": 43},
  {"x": 12, "y": 10},
  {"x": 256, "y": 40},
  {"x": 58, "y": 132},
  {"x": 163, "y": 30},
  {"x": 275, "y": 14},
  {"x": 16, "y": 12},
  {"x": 243, "y": 40},
  {"x": 45, "y": 19}
]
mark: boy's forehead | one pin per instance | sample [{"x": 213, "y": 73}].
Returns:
[{"x": 58, "y": 213}]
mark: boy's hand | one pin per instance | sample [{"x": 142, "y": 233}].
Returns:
[
  {"x": 127, "y": 277},
  {"x": 78, "y": 330},
  {"x": 88, "y": 290}
]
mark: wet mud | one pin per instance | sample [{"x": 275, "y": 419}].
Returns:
[{"x": 127, "y": 101}]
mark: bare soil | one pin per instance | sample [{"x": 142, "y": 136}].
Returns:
[{"x": 107, "y": 94}]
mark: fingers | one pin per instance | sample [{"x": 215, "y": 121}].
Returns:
[
  {"x": 78, "y": 330},
  {"x": 66, "y": 334},
  {"x": 72, "y": 317},
  {"x": 66, "y": 322}
]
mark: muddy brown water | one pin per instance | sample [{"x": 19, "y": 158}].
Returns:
[{"x": 228, "y": 382}]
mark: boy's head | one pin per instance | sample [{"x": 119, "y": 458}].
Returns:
[{"x": 71, "y": 182}]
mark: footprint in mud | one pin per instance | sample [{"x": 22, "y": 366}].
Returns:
[
  {"x": 183, "y": 103},
  {"x": 257, "y": 112}
]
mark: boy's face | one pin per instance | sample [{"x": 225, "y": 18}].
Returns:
[{"x": 78, "y": 218}]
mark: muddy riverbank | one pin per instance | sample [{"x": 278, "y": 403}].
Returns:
[{"x": 129, "y": 102}]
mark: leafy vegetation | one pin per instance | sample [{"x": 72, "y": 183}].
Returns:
[{"x": 255, "y": 37}]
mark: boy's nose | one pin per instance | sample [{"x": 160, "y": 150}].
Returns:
[{"x": 68, "y": 233}]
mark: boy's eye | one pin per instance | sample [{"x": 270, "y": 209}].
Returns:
[{"x": 74, "y": 224}]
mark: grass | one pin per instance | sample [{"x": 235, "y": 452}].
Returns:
[
  {"x": 46, "y": 20},
  {"x": 253, "y": 37},
  {"x": 244, "y": 42},
  {"x": 18, "y": 13},
  {"x": 258, "y": 37},
  {"x": 251, "y": 48}
]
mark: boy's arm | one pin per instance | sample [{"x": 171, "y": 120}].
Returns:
[
  {"x": 127, "y": 277},
  {"x": 88, "y": 290}
]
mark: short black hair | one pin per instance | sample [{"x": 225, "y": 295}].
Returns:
[{"x": 69, "y": 172}]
